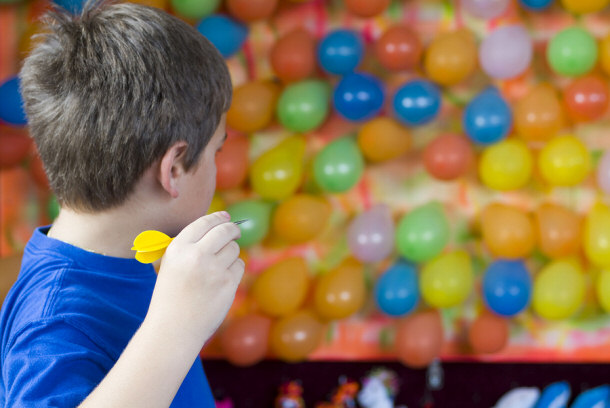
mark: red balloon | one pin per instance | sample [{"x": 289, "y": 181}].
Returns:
[
  {"x": 232, "y": 161},
  {"x": 251, "y": 10},
  {"x": 448, "y": 157},
  {"x": 419, "y": 338},
  {"x": 14, "y": 147},
  {"x": 398, "y": 48},
  {"x": 245, "y": 341},
  {"x": 293, "y": 57},
  {"x": 366, "y": 8},
  {"x": 587, "y": 98},
  {"x": 488, "y": 333}
]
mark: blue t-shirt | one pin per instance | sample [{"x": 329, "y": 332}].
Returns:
[{"x": 66, "y": 321}]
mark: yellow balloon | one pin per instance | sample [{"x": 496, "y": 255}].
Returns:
[
  {"x": 603, "y": 290},
  {"x": 597, "y": 235},
  {"x": 559, "y": 290},
  {"x": 276, "y": 174},
  {"x": 604, "y": 54},
  {"x": 564, "y": 161},
  {"x": 447, "y": 280},
  {"x": 584, "y": 6},
  {"x": 281, "y": 289},
  {"x": 506, "y": 165},
  {"x": 217, "y": 204}
]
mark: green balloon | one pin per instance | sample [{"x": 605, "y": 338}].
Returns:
[
  {"x": 303, "y": 106},
  {"x": 423, "y": 233},
  {"x": 53, "y": 208},
  {"x": 195, "y": 9},
  {"x": 572, "y": 52},
  {"x": 339, "y": 166},
  {"x": 258, "y": 214}
]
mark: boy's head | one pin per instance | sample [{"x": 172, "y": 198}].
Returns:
[{"x": 110, "y": 92}]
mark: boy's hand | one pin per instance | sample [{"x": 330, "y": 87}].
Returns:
[{"x": 199, "y": 275}]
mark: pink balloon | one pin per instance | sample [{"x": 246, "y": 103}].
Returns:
[
  {"x": 506, "y": 52},
  {"x": 603, "y": 173},
  {"x": 486, "y": 9},
  {"x": 371, "y": 235}
]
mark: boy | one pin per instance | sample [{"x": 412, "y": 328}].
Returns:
[{"x": 127, "y": 107}]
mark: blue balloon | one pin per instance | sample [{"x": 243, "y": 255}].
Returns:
[
  {"x": 358, "y": 96},
  {"x": 536, "y": 5},
  {"x": 555, "y": 395},
  {"x": 340, "y": 52},
  {"x": 507, "y": 287},
  {"x": 417, "y": 102},
  {"x": 11, "y": 104},
  {"x": 73, "y": 6},
  {"x": 397, "y": 290},
  {"x": 488, "y": 118},
  {"x": 594, "y": 398},
  {"x": 227, "y": 34}
]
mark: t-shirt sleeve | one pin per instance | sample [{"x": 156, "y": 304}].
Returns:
[{"x": 52, "y": 364}]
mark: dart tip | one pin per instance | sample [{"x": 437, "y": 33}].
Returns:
[{"x": 239, "y": 222}]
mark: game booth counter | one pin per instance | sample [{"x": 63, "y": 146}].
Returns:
[{"x": 426, "y": 186}]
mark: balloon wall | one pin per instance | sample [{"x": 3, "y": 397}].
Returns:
[{"x": 422, "y": 178}]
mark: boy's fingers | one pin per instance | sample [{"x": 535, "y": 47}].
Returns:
[
  {"x": 219, "y": 236},
  {"x": 237, "y": 268},
  {"x": 201, "y": 226},
  {"x": 227, "y": 255}
]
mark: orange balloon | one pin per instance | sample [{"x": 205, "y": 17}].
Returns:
[
  {"x": 558, "y": 230},
  {"x": 232, "y": 162},
  {"x": 294, "y": 337},
  {"x": 604, "y": 54},
  {"x": 38, "y": 173},
  {"x": 451, "y": 57},
  {"x": 587, "y": 98},
  {"x": 366, "y": 8},
  {"x": 419, "y": 338},
  {"x": 281, "y": 289},
  {"x": 538, "y": 115},
  {"x": 26, "y": 42},
  {"x": 383, "y": 139},
  {"x": 251, "y": 10},
  {"x": 246, "y": 339},
  {"x": 253, "y": 106},
  {"x": 341, "y": 292},
  {"x": 301, "y": 218},
  {"x": 293, "y": 57},
  {"x": 488, "y": 334},
  {"x": 448, "y": 157},
  {"x": 162, "y": 4},
  {"x": 398, "y": 48},
  {"x": 508, "y": 232}
]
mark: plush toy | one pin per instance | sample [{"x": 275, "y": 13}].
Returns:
[
  {"x": 344, "y": 396},
  {"x": 555, "y": 395},
  {"x": 523, "y": 397},
  {"x": 290, "y": 396},
  {"x": 379, "y": 389}
]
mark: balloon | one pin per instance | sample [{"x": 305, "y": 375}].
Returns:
[
  {"x": 281, "y": 289},
  {"x": 340, "y": 52},
  {"x": 564, "y": 161},
  {"x": 294, "y": 337},
  {"x": 488, "y": 334},
  {"x": 371, "y": 235},
  {"x": 27, "y": 41},
  {"x": 417, "y": 102},
  {"x": 293, "y": 56},
  {"x": 603, "y": 173},
  {"x": 595, "y": 397},
  {"x": 195, "y": 9},
  {"x": 555, "y": 395},
  {"x": 604, "y": 54},
  {"x": 487, "y": 118},
  {"x": 419, "y": 339},
  {"x": 339, "y": 166},
  {"x": 366, "y": 8},
  {"x": 232, "y": 162},
  {"x": 584, "y": 6},
  {"x": 603, "y": 290},
  {"x": 226, "y": 34},
  {"x": 251, "y": 10},
  {"x": 486, "y": 9},
  {"x": 382, "y": 139},
  {"x": 161, "y": 4},
  {"x": 451, "y": 57},
  {"x": 538, "y": 115},
  {"x": 73, "y": 6},
  {"x": 586, "y": 98},
  {"x": 536, "y": 5},
  {"x": 38, "y": 173},
  {"x": 507, "y": 232},
  {"x": 358, "y": 96},
  {"x": 252, "y": 106},
  {"x": 506, "y": 165},
  {"x": 245, "y": 340},
  {"x": 506, "y": 52},
  {"x": 301, "y": 218},
  {"x": 303, "y": 106},
  {"x": 507, "y": 287},
  {"x": 14, "y": 147},
  {"x": 558, "y": 230},
  {"x": 11, "y": 104},
  {"x": 559, "y": 290},
  {"x": 422, "y": 233},
  {"x": 397, "y": 290},
  {"x": 341, "y": 292},
  {"x": 399, "y": 48},
  {"x": 447, "y": 280},
  {"x": 448, "y": 157},
  {"x": 277, "y": 174},
  {"x": 572, "y": 52},
  {"x": 255, "y": 229},
  {"x": 216, "y": 205},
  {"x": 597, "y": 235}
]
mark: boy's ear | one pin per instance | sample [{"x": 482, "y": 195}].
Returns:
[{"x": 171, "y": 168}]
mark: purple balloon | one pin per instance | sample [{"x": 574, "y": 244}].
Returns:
[
  {"x": 603, "y": 173},
  {"x": 371, "y": 235},
  {"x": 485, "y": 9},
  {"x": 506, "y": 52}
]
